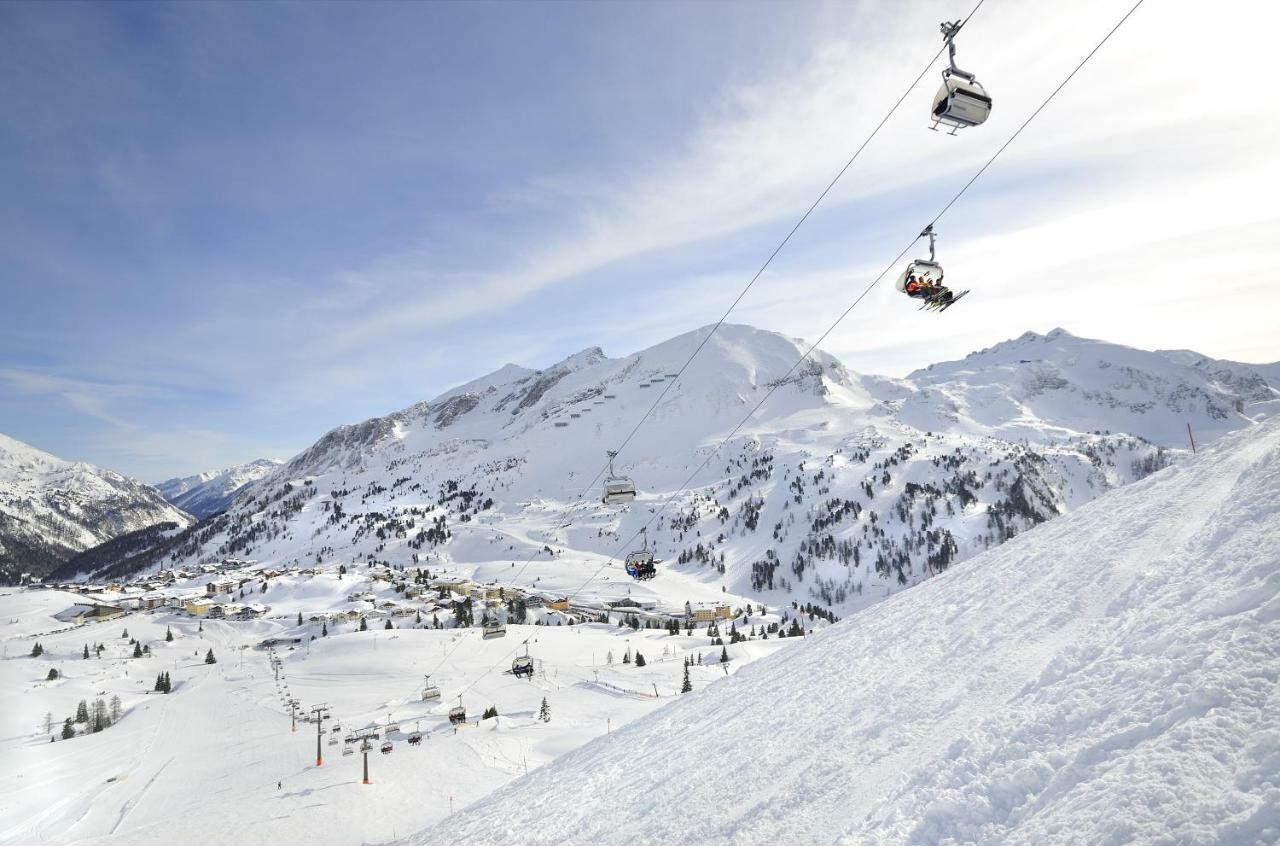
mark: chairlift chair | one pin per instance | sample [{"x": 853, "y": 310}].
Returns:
[
  {"x": 926, "y": 272},
  {"x": 392, "y": 727},
  {"x": 961, "y": 101},
  {"x": 333, "y": 741},
  {"x": 639, "y": 563},
  {"x": 415, "y": 738},
  {"x": 617, "y": 488},
  {"x": 429, "y": 690},
  {"x": 387, "y": 747},
  {"x": 494, "y": 628},
  {"x": 348, "y": 750},
  {"x": 522, "y": 666},
  {"x": 457, "y": 715}
]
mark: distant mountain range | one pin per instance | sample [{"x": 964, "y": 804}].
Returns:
[
  {"x": 208, "y": 493},
  {"x": 51, "y": 509},
  {"x": 840, "y": 490}
]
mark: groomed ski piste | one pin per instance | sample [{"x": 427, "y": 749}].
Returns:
[
  {"x": 201, "y": 764},
  {"x": 1109, "y": 677}
]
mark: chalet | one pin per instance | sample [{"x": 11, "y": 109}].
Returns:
[
  {"x": 220, "y": 586},
  {"x": 219, "y": 612},
  {"x": 560, "y": 603}
]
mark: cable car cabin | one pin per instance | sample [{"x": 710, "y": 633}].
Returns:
[
  {"x": 640, "y": 565},
  {"x": 493, "y": 629},
  {"x": 457, "y": 715},
  {"x": 960, "y": 103},
  {"x": 415, "y": 738},
  {"x": 618, "y": 489},
  {"x": 522, "y": 666},
  {"x": 920, "y": 273},
  {"x": 386, "y": 748}
]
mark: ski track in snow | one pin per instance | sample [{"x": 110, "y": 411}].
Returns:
[{"x": 1109, "y": 678}]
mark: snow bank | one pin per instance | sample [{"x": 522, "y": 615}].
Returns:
[{"x": 1109, "y": 677}]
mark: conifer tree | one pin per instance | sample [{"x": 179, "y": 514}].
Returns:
[
  {"x": 639, "y": 659},
  {"x": 53, "y": 675},
  {"x": 114, "y": 713},
  {"x": 299, "y": 618},
  {"x": 364, "y": 626},
  {"x": 324, "y": 629},
  {"x": 168, "y": 635},
  {"x": 86, "y": 652},
  {"x": 137, "y": 650},
  {"x": 82, "y": 712},
  {"x": 724, "y": 655},
  {"x": 209, "y": 659},
  {"x": 37, "y": 650},
  {"x": 388, "y": 625},
  {"x": 687, "y": 685},
  {"x": 544, "y": 713},
  {"x": 68, "y": 730}
]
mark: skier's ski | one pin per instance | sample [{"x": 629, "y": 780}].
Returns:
[{"x": 954, "y": 299}]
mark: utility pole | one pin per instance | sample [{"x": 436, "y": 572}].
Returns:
[{"x": 319, "y": 713}]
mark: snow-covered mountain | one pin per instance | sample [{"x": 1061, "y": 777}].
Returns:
[
  {"x": 212, "y": 491},
  {"x": 840, "y": 490},
  {"x": 1110, "y": 677},
  {"x": 51, "y": 509}
]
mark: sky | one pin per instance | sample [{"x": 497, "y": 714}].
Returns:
[{"x": 230, "y": 227}]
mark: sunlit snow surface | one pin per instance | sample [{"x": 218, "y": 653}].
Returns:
[{"x": 1110, "y": 677}]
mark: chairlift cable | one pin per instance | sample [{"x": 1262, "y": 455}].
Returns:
[
  {"x": 777, "y": 383},
  {"x": 783, "y": 243},
  {"x": 768, "y": 261}
]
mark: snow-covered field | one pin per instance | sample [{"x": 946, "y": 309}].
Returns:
[
  {"x": 1111, "y": 677},
  {"x": 201, "y": 764}
]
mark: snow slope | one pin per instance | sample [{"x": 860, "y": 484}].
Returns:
[
  {"x": 212, "y": 491},
  {"x": 51, "y": 508},
  {"x": 840, "y": 490},
  {"x": 1110, "y": 677},
  {"x": 1045, "y": 386}
]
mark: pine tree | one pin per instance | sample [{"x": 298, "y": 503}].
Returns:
[
  {"x": 82, "y": 712},
  {"x": 53, "y": 675},
  {"x": 114, "y": 713},
  {"x": 86, "y": 652},
  {"x": 137, "y": 650},
  {"x": 168, "y": 683},
  {"x": 687, "y": 685},
  {"x": 168, "y": 635},
  {"x": 626, "y": 657},
  {"x": 99, "y": 721},
  {"x": 124, "y": 634},
  {"x": 544, "y": 713},
  {"x": 724, "y": 655},
  {"x": 201, "y": 626},
  {"x": 388, "y": 625},
  {"x": 146, "y": 650},
  {"x": 364, "y": 626},
  {"x": 299, "y": 618},
  {"x": 324, "y": 629},
  {"x": 159, "y": 685},
  {"x": 37, "y": 650},
  {"x": 68, "y": 730},
  {"x": 639, "y": 659},
  {"x": 48, "y": 722},
  {"x": 209, "y": 659}
]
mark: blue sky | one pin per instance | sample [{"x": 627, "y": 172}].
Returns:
[{"x": 231, "y": 227}]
